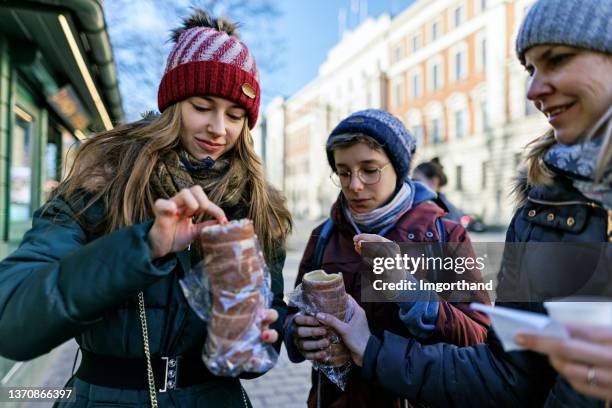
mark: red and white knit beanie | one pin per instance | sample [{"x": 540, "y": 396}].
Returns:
[{"x": 206, "y": 61}]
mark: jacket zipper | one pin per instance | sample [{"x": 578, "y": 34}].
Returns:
[{"x": 560, "y": 203}]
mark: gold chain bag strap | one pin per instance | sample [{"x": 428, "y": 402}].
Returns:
[{"x": 147, "y": 350}]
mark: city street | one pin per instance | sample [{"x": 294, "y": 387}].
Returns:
[{"x": 286, "y": 385}]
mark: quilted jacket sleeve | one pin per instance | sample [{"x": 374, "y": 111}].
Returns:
[
  {"x": 57, "y": 283},
  {"x": 445, "y": 375}
]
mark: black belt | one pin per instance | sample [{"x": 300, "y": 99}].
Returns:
[{"x": 131, "y": 373}]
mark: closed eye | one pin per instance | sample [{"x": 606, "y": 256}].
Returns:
[
  {"x": 235, "y": 117},
  {"x": 200, "y": 108}
]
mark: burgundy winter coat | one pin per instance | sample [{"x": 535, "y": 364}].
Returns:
[{"x": 456, "y": 323}]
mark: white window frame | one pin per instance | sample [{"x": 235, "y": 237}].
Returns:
[
  {"x": 478, "y": 5},
  {"x": 434, "y": 111},
  {"x": 452, "y": 14},
  {"x": 416, "y": 93},
  {"x": 435, "y": 61},
  {"x": 414, "y": 122},
  {"x": 397, "y": 52},
  {"x": 415, "y": 42},
  {"x": 481, "y": 51},
  {"x": 463, "y": 113},
  {"x": 459, "y": 48},
  {"x": 432, "y": 36},
  {"x": 479, "y": 97},
  {"x": 458, "y": 102}
]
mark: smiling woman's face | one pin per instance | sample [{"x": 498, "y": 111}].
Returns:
[
  {"x": 571, "y": 86},
  {"x": 211, "y": 125}
]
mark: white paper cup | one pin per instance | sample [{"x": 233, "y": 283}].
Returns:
[{"x": 581, "y": 312}]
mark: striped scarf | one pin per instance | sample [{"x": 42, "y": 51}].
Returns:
[{"x": 381, "y": 217}]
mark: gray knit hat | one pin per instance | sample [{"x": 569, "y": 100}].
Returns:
[{"x": 577, "y": 23}]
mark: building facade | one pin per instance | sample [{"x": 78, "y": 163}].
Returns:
[
  {"x": 57, "y": 84},
  {"x": 448, "y": 70},
  {"x": 456, "y": 83}
]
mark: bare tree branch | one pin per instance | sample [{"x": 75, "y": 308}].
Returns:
[{"x": 140, "y": 32}]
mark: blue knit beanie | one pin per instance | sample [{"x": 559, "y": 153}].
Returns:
[
  {"x": 397, "y": 142},
  {"x": 577, "y": 23}
]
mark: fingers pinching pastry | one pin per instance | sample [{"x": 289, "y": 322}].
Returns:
[{"x": 326, "y": 293}]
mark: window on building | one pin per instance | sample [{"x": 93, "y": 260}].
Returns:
[
  {"x": 460, "y": 128},
  {"x": 416, "y": 42},
  {"x": 20, "y": 204},
  {"x": 459, "y": 178},
  {"x": 483, "y": 180},
  {"x": 460, "y": 65},
  {"x": 397, "y": 53},
  {"x": 398, "y": 94},
  {"x": 435, "y": 131},
  {"x": 416, "y": 85},
  {"x": 435, "y": 31},
  {"x": 483, "y": 54},
  {"x": 458, "y": 16},
  {"x": 436, "y": 76},
  {"x": 418, "y": 134},
  {"x": 484, "y": 115}
]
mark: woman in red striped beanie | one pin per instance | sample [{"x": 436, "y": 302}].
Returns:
[{"x": 103, "y": 259}]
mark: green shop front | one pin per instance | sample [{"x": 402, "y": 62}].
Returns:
[{"x": 58, "y": 85}]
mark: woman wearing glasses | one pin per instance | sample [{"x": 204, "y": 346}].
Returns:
[{"x": 369, "y": 154}]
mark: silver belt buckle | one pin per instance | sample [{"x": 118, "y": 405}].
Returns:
[{"x": 170, "y": 374}]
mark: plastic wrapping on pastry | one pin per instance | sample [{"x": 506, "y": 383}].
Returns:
[
  {"x": 230, "y": 290},
  {"x": 322, "y": 292}
]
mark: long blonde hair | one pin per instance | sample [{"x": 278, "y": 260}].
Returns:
[
  {"x": 116, "y": 167},
  {"x": 538, "y": 173}
]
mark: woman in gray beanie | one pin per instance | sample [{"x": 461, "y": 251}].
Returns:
[
  {"x": 565, "y": 197},
  {"x": 570, "y": 70}
]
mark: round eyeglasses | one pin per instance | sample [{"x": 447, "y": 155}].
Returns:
[{"x": 368, "y": 176}]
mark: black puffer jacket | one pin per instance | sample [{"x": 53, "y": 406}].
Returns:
[{"x": 484, "y": 375}]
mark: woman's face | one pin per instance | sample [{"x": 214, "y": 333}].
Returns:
[
  {"x": 362, "y": 197},
  {"x": 211, "y": 125},
  {"x": 571, "y": 86}
]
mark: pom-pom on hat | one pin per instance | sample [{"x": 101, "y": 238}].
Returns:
[{"x": 209, "y": 59}]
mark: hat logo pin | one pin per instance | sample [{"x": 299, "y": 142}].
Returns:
[
  {"x": 248, "y": 90},
  {"x": 356, "y": 120}
]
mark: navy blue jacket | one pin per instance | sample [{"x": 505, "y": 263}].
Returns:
[{"x": 484, "y": 375}]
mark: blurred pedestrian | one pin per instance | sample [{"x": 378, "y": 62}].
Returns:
[
  {"x": 432, "y": 174},
  {"x": 566, "y": 197},
  {"x": 369, "y": 153},
  {"x": 103, "y": 259}
]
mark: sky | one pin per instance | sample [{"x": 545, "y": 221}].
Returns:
[
  {"x": 310, "y": 29},
  {"x": 304, "y": 32}
]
